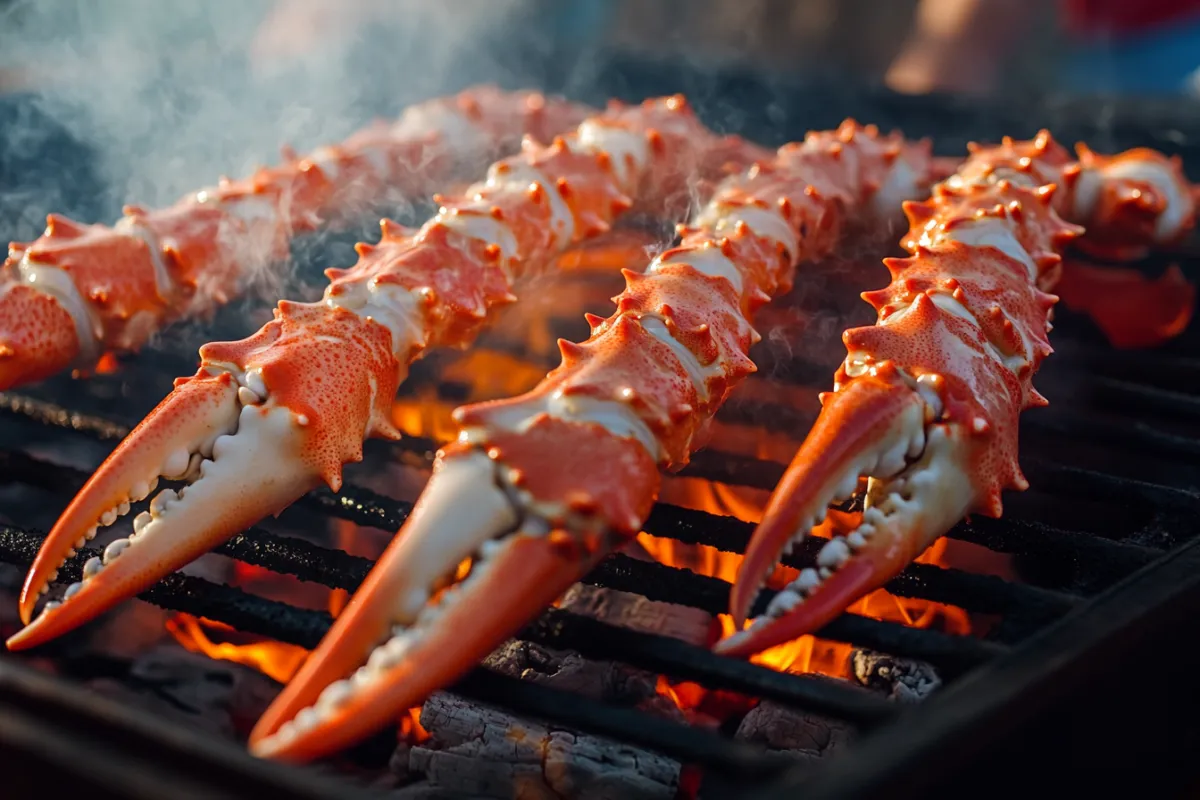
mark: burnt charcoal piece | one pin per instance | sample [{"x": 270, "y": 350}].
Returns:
[
  {"x": 801, "y": 733},
  {"x": 901, "y": 679},
  {"x": 481, "y": 751},
  {"x": 217, "y": 696}
]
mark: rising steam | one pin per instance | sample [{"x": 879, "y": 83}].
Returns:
[{"x": 172, "y": 95}]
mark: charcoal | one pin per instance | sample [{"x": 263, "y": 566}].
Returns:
[
  {"x": 221, "y": 697},
  {"x": 635, "y": 612},
  {"x": 901, "y": 679},
  {"x": 609, "y": 681},
  {"x": 475, "y": 748},
  {"x": 480, "y": 751},
  {"x": 424, "y": 790},
  {"x": 801, "y": 733}
]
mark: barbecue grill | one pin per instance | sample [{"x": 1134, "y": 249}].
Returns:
[{"x": 1085, "y": 681}]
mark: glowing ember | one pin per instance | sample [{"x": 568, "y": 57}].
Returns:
[
  {"x": 107, "y": 364},
  {"x": 410, "y": 727}
]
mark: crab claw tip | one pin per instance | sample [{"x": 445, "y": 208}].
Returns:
[
  {"x": 243, "y": 463},
  {"x": 920, "y": 486},
  {"x": 869, "y": 421},
  {"x": 393, "y": 645}
]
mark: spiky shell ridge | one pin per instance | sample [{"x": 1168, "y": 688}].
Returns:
[
  {"x": 156, "y": 266},
  {"x": 1122, "y": 199},
  {"x": 799, "y": 202},
  {"x": 339, "y": 395},
  {"x": 968, "y": 312}
]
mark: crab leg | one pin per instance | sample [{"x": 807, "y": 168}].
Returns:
[
  {"x": 270, "y": 417},
  {"x": 1129, "y": 203},
  {"x": 540, "y": 487},
  {"x": 79, "y": 291},
  {"x": 926, "y": 404}
]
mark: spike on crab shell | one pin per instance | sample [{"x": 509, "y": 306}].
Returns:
[
  {"x": 1045, "y": 193},
  {"x": 896, "y": 266},
  {"x": 878, "y": 298},
  {"x": 572, "y": 352},
  {"x": 58, "y": 226},
  {"x": 1036, "y": 399},
  {"x": 620, "y": 205},
  {"x": 991, "y": 505},
  {"x": 1045, "y": 300}
]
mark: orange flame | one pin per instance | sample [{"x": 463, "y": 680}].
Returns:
[
  {"x": 107, "y": 364},
  {"x": 273, "y": 659},
  {"x": 807, "y": 654}
]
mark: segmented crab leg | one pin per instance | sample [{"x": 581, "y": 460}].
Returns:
[
  {"x": 270, "y": 417},
  {"x": 926, "y": 404},
  {"x": 539, "y": 487},
  {"x": 80, "y": 290}
]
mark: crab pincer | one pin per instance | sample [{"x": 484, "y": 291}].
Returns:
[{"x": 926, "y": 403}]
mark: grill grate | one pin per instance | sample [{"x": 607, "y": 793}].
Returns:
[
  {"x": 1026, "y": 607},
  {"x": 1112, "y": 512}
]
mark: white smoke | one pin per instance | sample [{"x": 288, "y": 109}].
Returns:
[{"x": 173, "y": 95}]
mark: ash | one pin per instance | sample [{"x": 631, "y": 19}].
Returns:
[{"x": 903, "y": 680}]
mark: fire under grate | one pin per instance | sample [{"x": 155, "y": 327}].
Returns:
[{"x": 1106, "y": 533}]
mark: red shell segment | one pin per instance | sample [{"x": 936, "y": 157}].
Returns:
[
  {"x": 1026, "y": 212},
  {"x": 211, "y": 240},
  {"x": 679, "y": 169},
  {"x": 1041, "y": 159},
  {"x": 978, "y": 392},
  {"x": 997, "y": 309},
  {"x": 466, "y": 276},
  {"x": 340, "y": 393},
  {"x": 453, "y": 276},
  {"x": 1132, "y": 309},
  {"x": 37, "y": 336},
  {"x": 994, "y": 288},
  {"x": 113, "y": 272},
  {"x": 610, "y": 480},
  {"x": 1122, "y": 223},
  {"x": 704, "y": 314},
  {"x": 1121, "y": 218}
]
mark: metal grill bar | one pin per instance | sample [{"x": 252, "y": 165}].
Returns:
[
  {"x": 555, "y": 628},
  {"x": 656, "y": 581},
  {"x": 1008, "y": 535},
  {"x": 365, "y": 507},
  {"x": 305, "y": 628},
  {"x": 1034, "y": 607},
  {"x": 64, "y": 740}
]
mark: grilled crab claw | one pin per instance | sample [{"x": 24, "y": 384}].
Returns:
[
  {"x": 888, "y": 431},
  {"x": 420, "y": 620},
  {"x": 262, "y": 422}
]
